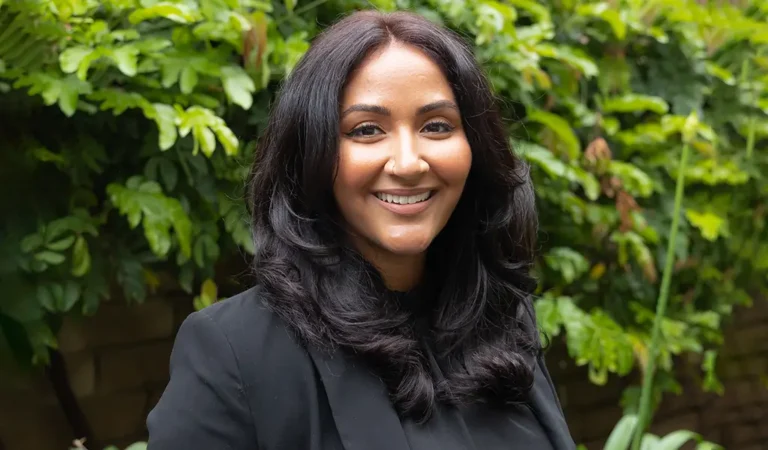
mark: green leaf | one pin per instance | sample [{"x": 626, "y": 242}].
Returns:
[
  {"x": 71, "y": 58},
  {"x": 172, "y": 11},
  {"x": 570, "y": 263},
  {"x": 169, "y": 174},
  {"x": 142, "y": 200},
  {"x": 571, "y": 56},
  {"x": 720, "y": 73},
  {"x": 52, "y": 258},
  {"x": 649, "y": 442},
  {"x": 81, "y": 257},
  {"x": 539, "y": 12},
  {"x": 126, "y": 58},
  {"x": 635, "y": 103},
  {"x": 61, "y": 244},
  {"x": 31, "y": 243},
  {"x": 606, "y": 13},
  {"x": 188, "y": 80},
  {"x": 70, "y": 296},
  {"x": 676, "y": 439},
  {"x": 165, "y": 117},
  {"x": 548, "y": 316},
  {"x": 290, "y": 5},
  {"x": 137, "y": 446},
  {"x": 635, "y": 181},
  {"x": 47, "y": 296},
  {"x": 556, "y": 168},
  {"x": 621, "y": 436},
  {"x": 238, "y": 86},
  {"x": 711, "y": 225},
  {"x": 201, "y": 121},
  {"x": 709, "y": 365},
  {"x": 561, "y": 128}
]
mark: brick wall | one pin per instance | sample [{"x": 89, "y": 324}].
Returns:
[{"x": 118, "y": 365}]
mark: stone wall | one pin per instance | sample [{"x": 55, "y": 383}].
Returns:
[{"x": 117, "y": 362}]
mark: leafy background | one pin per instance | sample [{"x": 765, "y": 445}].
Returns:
[{"x": 127, "y": 127}]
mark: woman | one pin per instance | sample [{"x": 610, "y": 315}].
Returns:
[{"x": 394, "y": 232}]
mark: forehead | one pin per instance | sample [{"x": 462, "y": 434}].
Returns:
[{"x": 396, "y": 73}]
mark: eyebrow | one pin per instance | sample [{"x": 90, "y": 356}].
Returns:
[{"x": 382, "y": 111}]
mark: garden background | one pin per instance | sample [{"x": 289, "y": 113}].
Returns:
[{"x": 127, "y": 127}]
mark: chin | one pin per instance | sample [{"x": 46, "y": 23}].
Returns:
[{"x": 407, "y": 247}]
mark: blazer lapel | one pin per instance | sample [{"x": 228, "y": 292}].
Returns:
[{"x": 364, "y": 416}]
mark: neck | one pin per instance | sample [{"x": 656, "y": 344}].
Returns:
[{"x": 399, "y": 272}]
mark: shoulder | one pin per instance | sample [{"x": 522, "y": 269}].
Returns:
[{"x": 255, "y": 334}]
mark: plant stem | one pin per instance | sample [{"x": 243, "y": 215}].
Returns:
[
  {"x": 751, "y": 136},
  {"x": 661, "y": 304}
]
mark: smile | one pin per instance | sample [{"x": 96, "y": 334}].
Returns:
[{"x": 404, "y": 199}]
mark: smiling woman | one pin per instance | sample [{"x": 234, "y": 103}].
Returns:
[{"x": 394, "y": 232}]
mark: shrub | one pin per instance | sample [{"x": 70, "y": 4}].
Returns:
[{"x": 128, "y": 126}]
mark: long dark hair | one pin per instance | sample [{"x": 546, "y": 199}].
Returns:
[{"x": 481, "y": 319}]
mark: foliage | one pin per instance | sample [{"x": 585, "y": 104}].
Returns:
[
  {"x": 621, "y": 436},
  {"x": 129, "y": 125}
]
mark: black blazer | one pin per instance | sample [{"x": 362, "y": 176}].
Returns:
[{"x": 240, "y": 381}]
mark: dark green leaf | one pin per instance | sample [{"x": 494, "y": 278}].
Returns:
[{"x": 31, "y": 243}]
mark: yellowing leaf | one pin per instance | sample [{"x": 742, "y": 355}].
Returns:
[
  {"x": 635, "y": 103},
  {"x": 711, "y": 225},
  {"x": 176, "y": 12},
  {"x": 721, "y": 73},
  {"x": 597, "y": 271}
]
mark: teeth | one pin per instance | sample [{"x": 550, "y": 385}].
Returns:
[{"x": 403, "y": 199}]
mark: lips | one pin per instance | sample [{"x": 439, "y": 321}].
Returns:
[
  {"x": 405, "y": 202},
  {"x": 404, "y": 199}
]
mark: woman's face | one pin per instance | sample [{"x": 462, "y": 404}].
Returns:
[{"x": 403, "y": 155}]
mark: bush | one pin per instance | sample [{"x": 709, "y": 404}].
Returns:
[{"x": 128, "y": 127}]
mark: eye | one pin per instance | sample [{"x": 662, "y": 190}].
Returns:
[
  {"x": 366, "y": 130},
  {"x": 437, "y": 127}
]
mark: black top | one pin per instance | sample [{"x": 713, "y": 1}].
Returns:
[
  {"x": 240, "y": 381},
  {"x": 473, "y": 427}
]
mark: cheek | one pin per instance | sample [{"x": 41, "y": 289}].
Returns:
[
  {"x": 453, "y": 162},
  {"x": 355, "y": 174}
]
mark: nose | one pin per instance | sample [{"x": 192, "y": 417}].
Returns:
[{"x": 406, "y": 161}]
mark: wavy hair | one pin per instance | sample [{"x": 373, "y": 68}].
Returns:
[{"x": 480, "y": 322}]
